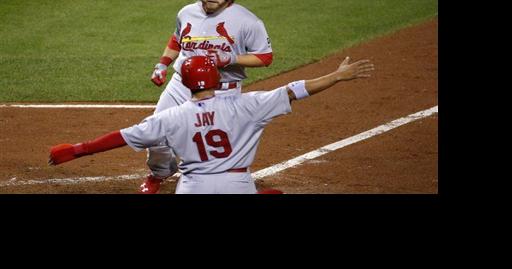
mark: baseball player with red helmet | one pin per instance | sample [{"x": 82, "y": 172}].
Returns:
[
  {"x": 232, "y": 36},
  {"x": 216, "y": 137}
]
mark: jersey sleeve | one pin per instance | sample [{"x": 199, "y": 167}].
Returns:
[
  {"x": 257, "y": 40},
  {"x": 150, "y": 132},
  {"x": 265, "y": 105},
  {"x": 177, "y": 31}
]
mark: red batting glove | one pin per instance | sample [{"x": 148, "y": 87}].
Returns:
[
  {"x": 64, "y": 153},
  {"x": 221, "y": 58}
]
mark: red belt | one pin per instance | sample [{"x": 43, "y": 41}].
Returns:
[
  {"x": 238, "y": 170},
  {"x": 231, "y": 85}
]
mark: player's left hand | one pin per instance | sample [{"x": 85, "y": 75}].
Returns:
[
  {"x": 359, "y": 69},
  {"x": 221, "y": 58}
]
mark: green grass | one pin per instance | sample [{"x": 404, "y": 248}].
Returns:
[{"x": 104, "y": 50}]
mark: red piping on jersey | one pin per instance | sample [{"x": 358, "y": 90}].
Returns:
[
  {"x": 173, "y": 43},
  {"x": 266, "y": 58}
]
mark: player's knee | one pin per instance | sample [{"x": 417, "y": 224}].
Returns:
[
  {"x": 173, "y": 166},
  {"x": 162, "y": 162}
]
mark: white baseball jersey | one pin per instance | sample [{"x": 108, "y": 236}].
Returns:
[
  {"x": 234, "y": 30},
  {"x": 213, "y": 135}
]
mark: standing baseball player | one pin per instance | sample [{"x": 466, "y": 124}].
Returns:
[
  {"x": 216, "y": 137},
  {"x": 228, "y": 33}
]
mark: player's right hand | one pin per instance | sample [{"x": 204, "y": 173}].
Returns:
[
  {"x": 159, "y": 74},
  {"x": 221, "y": 58},
  {"x": 62, "y": 153}
]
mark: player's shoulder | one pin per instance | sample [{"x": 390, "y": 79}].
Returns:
[
  {"x": 258, "y": 93},
  {"x": 252, "y": 94},
  {"x": 243, "y": 12},
  {"x": 260, "y": 96},
  {"x": 174, "y": 112},
  {"x": 164, "y": 114},
  {"x": 183, "y": 108},
  {"x": 174, "y": 116}
]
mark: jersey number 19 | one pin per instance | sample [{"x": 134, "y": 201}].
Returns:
[{"x": 215, "y": 138}]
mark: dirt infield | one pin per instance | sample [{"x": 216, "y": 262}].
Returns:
[{"x": 404, "y": 160}]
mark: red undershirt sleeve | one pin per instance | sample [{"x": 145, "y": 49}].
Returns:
[
  {"x": 103, "y": 143},
  {"x": 266, "y": 58},
  {"x": 173, "y": 43}
]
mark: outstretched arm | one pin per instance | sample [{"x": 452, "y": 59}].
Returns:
[
  {"x": 148, "y": 133},
  {"x": 345, "y": 72},
  {"x": 67, "y": 152}
]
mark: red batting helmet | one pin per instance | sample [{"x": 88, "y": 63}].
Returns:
[{"x": 200, "y": 73}]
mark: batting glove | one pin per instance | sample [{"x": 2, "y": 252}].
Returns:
[
  {"x": 221, "y": 58},
  {"x": 159, "y": 74},
  {"x": 64, "y": 153}
]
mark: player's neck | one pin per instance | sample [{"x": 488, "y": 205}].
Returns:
[
  {"x": 206, "y": 94},
  {"x": 217, "y": 10}
]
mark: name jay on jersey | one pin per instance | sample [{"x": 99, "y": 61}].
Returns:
[{"x": 204, "y": 119}]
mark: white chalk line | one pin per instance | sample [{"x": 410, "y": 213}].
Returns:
[
  {"x": 274, "y": 169},
  {"x": 79, "y": 180},
  {"x": 68, "y": 181},
  {"x": 78, "y": 106},
  {"x": 343, "y": 143}
]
